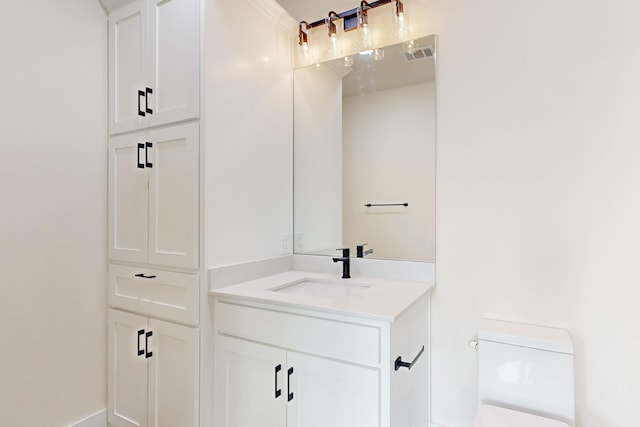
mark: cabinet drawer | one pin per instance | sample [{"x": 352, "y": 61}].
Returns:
[
  {"x": 329, "y": 338},
  {"x": 163, "y": 294}
]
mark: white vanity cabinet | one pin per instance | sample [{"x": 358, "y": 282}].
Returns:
[
  {"x": 298, "y": 367},
  {"x": 153, "y": 372},
  {"x": 287, "y": 388},
  {"x": 154, "y": 196},
  {"x": 154, "y": 63}
]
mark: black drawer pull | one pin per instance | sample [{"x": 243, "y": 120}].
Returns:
[
  {"x": 289, "y": 393},
  {"x": 140, "y": 333},
  {"x": 146, "y": 344},
  {"x": 145, "y": 277},
  {"x": 140, "y": 112},
  {"x": 400, "y": 364},
  {"x": 278, "y": 392}
]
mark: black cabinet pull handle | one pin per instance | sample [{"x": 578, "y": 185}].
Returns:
[
  {"x": 145, "y": 277},
  {"x": 146, "y": 154},
  {"x": 146, "y": 100},
  {"x": 289, "y": 393},
  {"x": 400, "y": 364},
  {"x": 140, "y": 95},
  {"x": 373, "y": 205},
  {"x": 140, "y": 333},
  {"x": 146, "y": 344},
  {"x": 278, "y": 391},
  {"x": 140, "y": 147}
]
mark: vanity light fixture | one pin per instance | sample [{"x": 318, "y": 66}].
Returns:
[
  {"x": 400, "y": 23},
  {"x": 303, "y": 36},
  {"x": 357, "y": 18},
  {"x": 334, "y": 48},
  {"x": 364, "y": 31}
]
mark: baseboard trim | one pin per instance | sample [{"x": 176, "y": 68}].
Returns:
[{"x": 96, "y": 420}]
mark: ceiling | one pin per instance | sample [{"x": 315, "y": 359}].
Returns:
[
  {"x": 301, "y": 10},
  {"x": 314, "y": 10},
  {"x": 110, "y": 5}
]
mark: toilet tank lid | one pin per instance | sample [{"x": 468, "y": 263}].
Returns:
[
  {"x": 494, "y": 416},
  {"x": 524, "y": 335}
]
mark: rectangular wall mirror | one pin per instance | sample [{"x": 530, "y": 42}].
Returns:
[{"x": 364, "y": 154}]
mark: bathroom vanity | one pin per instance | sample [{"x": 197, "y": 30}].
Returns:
[{"x": 310, "y": 349}]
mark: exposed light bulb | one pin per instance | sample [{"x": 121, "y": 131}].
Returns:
[
  {"x": 365, "y": 37},
  {"x": 303, "y": 37},
  {"x": 334, "y": 45},
  {"x": 364, "y": 29},
  {"x": 401, "y": 23},
  {"x": 401, "y": 28}
]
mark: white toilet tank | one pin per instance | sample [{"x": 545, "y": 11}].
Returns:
[{"x": 527, "y": 368}]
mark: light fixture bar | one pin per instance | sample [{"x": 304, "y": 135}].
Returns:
[{"x": 350, "y": 17}]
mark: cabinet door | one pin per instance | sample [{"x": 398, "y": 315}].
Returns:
[
  {"x": 127, "y": 370},
  {"x": 251, "y": 384},
  {"x": 174, "y": 28},
  {"x": 128, "y": 62},
  {"x": 174, "y": 192},
  {"x": 173, "y": 375},
  {"x": 128, "y": 200},
  {"x": 330, "y": 393}
]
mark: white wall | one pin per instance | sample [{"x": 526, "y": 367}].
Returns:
[
  {"x": 538, "y": 210},
  {"x": 247, "y": 131},
  {"x": 317, "y": 159},
  {"x": 53, "y": 211},
  {"x": 389, "y": 157},
  {"x": 537, "y": 190}
]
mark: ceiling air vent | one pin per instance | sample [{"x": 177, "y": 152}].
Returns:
[{"x": 418, "y": 53}]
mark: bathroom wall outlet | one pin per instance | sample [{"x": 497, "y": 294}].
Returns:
[
  {"x": 285, "y": 245},
  {"x": 297, "y": 242}
]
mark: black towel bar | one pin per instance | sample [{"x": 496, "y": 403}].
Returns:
[
  {"x": 372, "y": 205},
  {"x": 400, "y": 364}
]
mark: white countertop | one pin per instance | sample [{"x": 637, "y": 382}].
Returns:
[{"x": 382, "y": 299}]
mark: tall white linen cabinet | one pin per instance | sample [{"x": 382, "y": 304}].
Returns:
[{"x": 174, "y": 78}]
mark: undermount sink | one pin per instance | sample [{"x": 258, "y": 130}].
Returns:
[{"x": 325, "y": 289}]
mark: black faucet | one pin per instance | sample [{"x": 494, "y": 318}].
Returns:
[
  {"x": 346, "y": 266},
  {"x": 361, "y": 253}
]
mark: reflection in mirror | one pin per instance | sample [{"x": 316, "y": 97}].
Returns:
[{"x": 364, "y": 154}]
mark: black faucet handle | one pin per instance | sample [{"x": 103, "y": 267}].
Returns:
[
  {"x": 345, "y": 252},
  {"x": 360, "y": 250}
]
